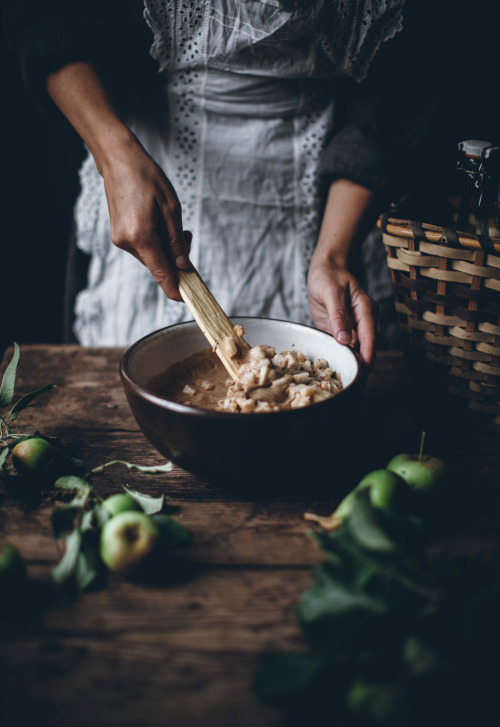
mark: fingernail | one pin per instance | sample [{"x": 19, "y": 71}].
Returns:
[
  {"x": 343, "y": 337},
  {"x": 182, "y": 261}
]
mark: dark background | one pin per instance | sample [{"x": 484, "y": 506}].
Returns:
[
  {"x": 40, "y": 162},
  {"x": 41, "y": 157}
]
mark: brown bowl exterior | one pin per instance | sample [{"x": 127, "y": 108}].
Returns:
[{"x": 220, "y": 445}]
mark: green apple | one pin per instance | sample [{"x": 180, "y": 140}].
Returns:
[
  {"x": 128, "y": 542},
  {"x": 426, "y": 475},
  {"x": 12, "y": 566},
  {"x": 32, "y": 457},
  {"x": 121, "y": 502},
  {"x": 387, "y": 489}
]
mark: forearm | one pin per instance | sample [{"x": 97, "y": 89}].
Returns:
[
  {"x": 144, "y": 211},
  {"x": 350, "y": 211},
  {"x": 81, "y": 96}
]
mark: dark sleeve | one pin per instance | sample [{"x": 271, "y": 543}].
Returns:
[
  {"x": 49, "y": 34},
  {"x": 385, "y": 118},
  {"x": 400, "y": 127}
]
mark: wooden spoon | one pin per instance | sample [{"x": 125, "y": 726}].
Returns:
[{"x": 226, "y": 342}]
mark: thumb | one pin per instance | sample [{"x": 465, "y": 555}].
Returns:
[
  {"x": 180, "y": 246},
  {"x": 339, "y": 317}
]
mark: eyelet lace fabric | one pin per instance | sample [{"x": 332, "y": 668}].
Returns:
[{"x": 249, "y": 99}]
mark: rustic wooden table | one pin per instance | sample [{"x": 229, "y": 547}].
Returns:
[{"x": 184, "y": 654}]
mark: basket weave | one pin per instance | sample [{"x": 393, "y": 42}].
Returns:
[{"x": 447, "y": 296}]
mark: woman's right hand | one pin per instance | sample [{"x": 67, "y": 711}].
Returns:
[{"x": 145, "y": 213}]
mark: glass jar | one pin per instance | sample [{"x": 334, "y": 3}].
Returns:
[{"x": 479, "y": 167}]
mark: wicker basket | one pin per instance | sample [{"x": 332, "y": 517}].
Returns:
[{"x": 447, "y": 296}]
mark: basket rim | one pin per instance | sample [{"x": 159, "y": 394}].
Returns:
[{"x": 402, "y": 228}]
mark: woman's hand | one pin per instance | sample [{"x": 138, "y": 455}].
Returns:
[
  {"x": 145, "y": 213},
  {"x": 341, "y": 307},
  {"x": 338, "y": 303}
]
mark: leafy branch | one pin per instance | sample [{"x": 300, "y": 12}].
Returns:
[
  {"x": 77, "y": 523},
  {"x": 7, "y": 390},
  {"x": 394, "y": 640}
]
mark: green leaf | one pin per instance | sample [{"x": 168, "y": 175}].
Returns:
[
  {"x": 365, "y": 524},
  {"x": 88, "y": 565},
  {"x": 3, "y": 456},
  {"x": 150, "y": 505},
  {"x": 81, "y": 565},
  {"x": 87, "y": 521},
  {"x": 9, "y": 379},
  {"x": 75, "y": 461},
  {"x": 173, "y": 533},
  {"x": 336, "y": 613},
  {"x": 81, "y": 498},
  {"x": 62, "y": 520},
  {"x": 157, "y": 469},
  {"x": 282, "y": 677},
  {"x": 26, "y": 401},
  {"x": 73, "y": 482},
  {"x": 65, "y": 569},
  {"x": 420, "y": 656},
  {"x": 100, "y": 516},
  {"x": 378, "y": 703}
]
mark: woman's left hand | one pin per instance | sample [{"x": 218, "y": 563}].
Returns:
[{"x": 340, "y": 306}]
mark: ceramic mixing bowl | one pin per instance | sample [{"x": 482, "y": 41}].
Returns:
[{"x": 239, "y": 446}]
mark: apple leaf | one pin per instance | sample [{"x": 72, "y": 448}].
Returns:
[
  {"x": 80, "y": 565},
  {"x": 62, "y": 520},
  {"x": 66, "y": 566},
  {"x": 73, "y": 482},
  {"x": 3, "y": 456},
  {"x": 88, "y": 566},
  {"x": 9, "y": 379},
  {"x": 155, "y": 469},
  {"x": 281, "y": 676},
  {"x": 26, "y": 400},
  {"x": 173, "y": 533},
  {"x": 100, "y": 516},
  {"x": 334, "y": 612},
  {"x": 394, "y": 636},
  {"x": 149, "y": 504}
]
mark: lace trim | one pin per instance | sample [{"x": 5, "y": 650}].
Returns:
[
  {"x": 348, "y": 32},
  {"x": 88, "y": 209},
  {"x": 365, "y": 26}
]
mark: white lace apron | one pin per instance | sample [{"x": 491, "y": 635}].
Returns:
[{"x": 250, "y": 99}]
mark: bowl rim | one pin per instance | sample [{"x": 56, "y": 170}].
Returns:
[{"x": 189, "y": 410}]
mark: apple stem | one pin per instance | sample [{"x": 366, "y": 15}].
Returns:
[{"x": 421, "y": 453}]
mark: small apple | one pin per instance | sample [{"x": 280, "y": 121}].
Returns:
[
  {"x": 121, "y": 502},
  {"x": 12, "y": 566},
  {"x": 32, "y": 457},
  {"x": 426, "y": 475},
  {"x": 388, "y": 490},
  {"x": 128, "y": 542}
]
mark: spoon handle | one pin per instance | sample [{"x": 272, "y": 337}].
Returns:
[{"x": 215, "y": 325}]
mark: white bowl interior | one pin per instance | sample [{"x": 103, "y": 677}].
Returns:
[{"x": 153, "y": 354}]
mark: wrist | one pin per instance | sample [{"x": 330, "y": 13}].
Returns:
[
  {"x": 332, "y": 254},
  {"x": 114, "y": 141}
]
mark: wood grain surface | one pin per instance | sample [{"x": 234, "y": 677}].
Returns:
[{"x": 184, "y": 653}]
